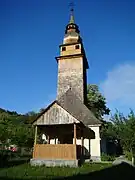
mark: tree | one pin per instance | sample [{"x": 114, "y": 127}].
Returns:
[
  {"x": 23, "y": 135},
  {"x": 5, "y": 127},
  {"x": 125, "y": 130},
  {"x": 41, "y": 110},
  {"x": 108, "y": 131},
  {"x": 96, "y": 102},
  {"x": 17, "y": 128},
  {"x": 29, "y": 117}
]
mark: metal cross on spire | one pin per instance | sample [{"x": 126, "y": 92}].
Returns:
[{"x": 71, "y": 5}]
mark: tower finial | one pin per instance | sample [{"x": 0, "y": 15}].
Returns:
[{"x": 72, "y": 21}]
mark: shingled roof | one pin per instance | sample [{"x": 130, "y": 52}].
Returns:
[{"x": 73, "y": 105}]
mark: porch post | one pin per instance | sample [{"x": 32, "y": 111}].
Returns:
[
  {"x": 35, "y": 140},
  {"x": 82, "y": 145},
  {"x": 82, "y": 142},
  {"x": 89, "y": 149},
  {"x": 74, "y": 133},
  {"x": 48, "y": 139}
]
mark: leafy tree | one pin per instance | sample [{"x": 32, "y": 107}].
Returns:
[
  {"x": 5, "y": 126},
  {"x": 23, "y": 136},
  {"x": 96, "y": 102},
  {"x": 13, "y": 126},
  {"x": 108, "y": 131},
  {"x": 125, "y": 130},
  {"x": 29, "y": 117},
  {"x": 41, "y": 110}
]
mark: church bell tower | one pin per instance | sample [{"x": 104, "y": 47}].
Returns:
[{"x": 72, "y": 62}]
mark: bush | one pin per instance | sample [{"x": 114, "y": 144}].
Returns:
[
  {"x": 4, "y": 156},
  {"x": 128, "y": 155},
  {"x": 106, "y": 157}
]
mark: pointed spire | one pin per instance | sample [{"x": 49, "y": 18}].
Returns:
[
  {"x": 72, "y": 21},
  {"x": 71, "y": 26}
]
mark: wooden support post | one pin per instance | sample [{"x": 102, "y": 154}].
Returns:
[
  {"x": 48, "y": 140},
  {"x": 35, "y": 141},
  {"x": 89, "y": 149},
  {"x": 82, "y": 143},
  {"x": 74, "y": 133},
  {"x": 75, "y": 139}
]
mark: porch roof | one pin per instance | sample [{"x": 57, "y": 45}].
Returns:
[
  {"x": 54, "y": 131},
  {"x": 74, "y": 106}
]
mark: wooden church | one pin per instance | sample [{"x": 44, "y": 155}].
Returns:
[{"x": 67, "y": 132}]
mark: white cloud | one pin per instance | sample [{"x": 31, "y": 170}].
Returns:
[{"x": 119, "y": 86}]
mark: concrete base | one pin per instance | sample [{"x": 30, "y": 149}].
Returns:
[
  {"x": 96, "y": 158},
  {"x": 55, "y": 162}
]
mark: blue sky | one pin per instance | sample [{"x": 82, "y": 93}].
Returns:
[{"x": 31, "y": 32}]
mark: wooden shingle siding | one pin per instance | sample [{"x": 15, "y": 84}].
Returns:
[
  {"x": 55, "y": 151},
  {"x": 55, "y": 115}
]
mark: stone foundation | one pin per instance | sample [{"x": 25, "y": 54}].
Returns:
[
  {"x": 96, "y": 158},
  {"x": 52, "y": 163}
]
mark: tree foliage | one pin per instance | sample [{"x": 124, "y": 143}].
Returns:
[
  {"x": 15, "y": 127},
  {"x": 119, "y": 127},
  {"x": 108, "y": 131},
  {"x": 96, "y": 101},
  {"x": 125, "y": 130},
  {"x": 23, "y": 136}
]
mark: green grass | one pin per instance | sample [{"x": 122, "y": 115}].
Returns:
[{"x": 26, "y": 171}]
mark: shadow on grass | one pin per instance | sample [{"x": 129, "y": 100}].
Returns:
[
  {"x": 122, "y": 171},
  {"x": 12, "y": 163}
]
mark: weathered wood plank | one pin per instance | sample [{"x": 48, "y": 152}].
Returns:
[
  {"x": 55, "y": 151},
  {"x": 35, "y": 140},
  {"x": 55, "y": 115}
]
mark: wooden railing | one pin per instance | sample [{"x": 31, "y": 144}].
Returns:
[{"x": 55, "y": 151}]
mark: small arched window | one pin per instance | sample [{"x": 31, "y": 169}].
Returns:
[
  {"x": 63, "y": 48},
  {"x": 77, "y": 47}
]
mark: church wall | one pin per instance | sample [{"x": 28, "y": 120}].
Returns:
[
  {"x": 92, "y": 146},
  {"x": 70, "y": 74},
  {"x": 86, "y": 146},
  {"x": 70, "y": 50},
  {"x": 52, "y": 141},
  {"x": 87, "y": 151},
  {"x": 95, "y": 149}
]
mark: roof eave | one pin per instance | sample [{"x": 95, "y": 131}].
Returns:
[{"x": 40, "y": 114}]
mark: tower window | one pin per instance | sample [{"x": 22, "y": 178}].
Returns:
[
  {"x": 77, "y": 47},
  {"x": 63, "y": 48}
]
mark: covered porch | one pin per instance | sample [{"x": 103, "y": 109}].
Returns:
[
  {"x": 64, "y": 135},
  {"x": 60, "y": 142}
]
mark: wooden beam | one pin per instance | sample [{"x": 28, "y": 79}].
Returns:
[
  {"x": 82, "y": 144},
  {"x": 89, "y": 150},
  {"x": 74, "y": 133},
  {"x": 35, "y": 140},
  {"x": 48, "y": 140}
]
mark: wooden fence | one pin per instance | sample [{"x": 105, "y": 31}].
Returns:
[{"x": 55, "y": 151}]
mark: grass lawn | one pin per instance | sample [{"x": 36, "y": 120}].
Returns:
[{"x": 26, "y": 171}]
